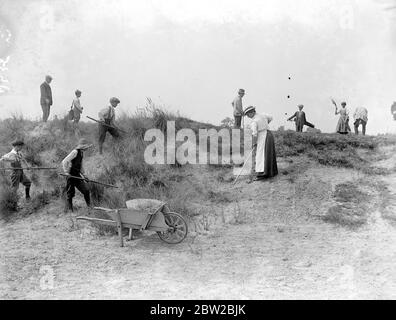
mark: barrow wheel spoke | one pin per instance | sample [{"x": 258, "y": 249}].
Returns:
[{"x": 178, "y": 228}]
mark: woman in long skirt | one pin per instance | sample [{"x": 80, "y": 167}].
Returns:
[
  {"x": 343, "y": 122},
  {"x": 263, "y": 140}
]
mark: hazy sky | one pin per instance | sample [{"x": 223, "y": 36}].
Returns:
[{"x": 193, "y": 55}]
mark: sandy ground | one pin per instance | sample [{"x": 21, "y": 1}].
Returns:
[{"x": 263, "y": 240}]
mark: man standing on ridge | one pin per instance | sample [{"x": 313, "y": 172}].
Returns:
[
  {"x": 238, "y": 109},
  {"x": 107, "y": 116},
  {"x": 361, "y": 118},
  {"x": 300, "y": 119},
  {"x": 46, "y": 97}
]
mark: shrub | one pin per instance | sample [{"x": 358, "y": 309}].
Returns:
[
  {"x": 8, "y": 200},
  {"x": 39, "y": 201}
]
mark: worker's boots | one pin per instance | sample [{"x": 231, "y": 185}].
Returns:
[{"x": 69, "y": 205}]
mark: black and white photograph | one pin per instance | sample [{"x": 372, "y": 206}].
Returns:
[{"x": 197, "y": 150}]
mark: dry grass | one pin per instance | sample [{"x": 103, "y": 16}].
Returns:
[
  {"x": 352, "y": 206},
  {"x": 8, "y": 201},
  {"x": 126, "y": 166}
]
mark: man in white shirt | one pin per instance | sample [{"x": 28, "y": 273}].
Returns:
[
  {"x": 15, "y": 158},
  {"x": 77, "y": 108},
  {"x": 361, "y": 118},
  {"x": 238, "y": 109},
  {"x": 393, "y": 110},
  {"x": 107, "y": 115}
]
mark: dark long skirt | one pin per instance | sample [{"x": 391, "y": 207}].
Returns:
[{"x": 270, "y": 165}]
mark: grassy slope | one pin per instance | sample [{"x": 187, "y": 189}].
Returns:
[{"x": 123, "y": 162}]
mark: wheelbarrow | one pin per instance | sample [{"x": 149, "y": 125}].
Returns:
[{"x": 144, "y": 214}]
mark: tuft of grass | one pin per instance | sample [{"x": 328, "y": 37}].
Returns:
[
  {"x": 39, "y": 201},
  {"x": 327, "y": 149},
  {"x": 218, "y": 197},
  {"x": 351, "y": 208},
  {"x": 8, "y": 200}
]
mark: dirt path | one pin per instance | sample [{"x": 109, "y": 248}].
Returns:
[{"x": 268, "y": 241}]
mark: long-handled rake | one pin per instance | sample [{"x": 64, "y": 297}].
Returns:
[{"x": 240, "y": 172}]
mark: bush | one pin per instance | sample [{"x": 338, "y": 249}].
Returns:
[
  {"x": 8, "y": 200},
  {"x": 39, "y": 201}
]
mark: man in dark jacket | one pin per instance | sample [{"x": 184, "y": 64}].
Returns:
[
  {"x": 46, "y": 97},
  {"x": 299, "y": 118}
]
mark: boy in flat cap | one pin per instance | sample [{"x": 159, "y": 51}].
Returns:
[
  {"x": 15, "y": 158},
  {"x": 300, "y": 119},
  {"x": 107, "y": 115},
  {"x": 46, "y": 97},
  {"x": 73, "y": 167},
  {"x": 238, "y": 109},
  {"x": 77, "y": 110}
]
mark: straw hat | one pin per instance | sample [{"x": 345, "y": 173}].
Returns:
[
  {"x": 249, "y": 109},
  {"x": 83, "y": 144}
]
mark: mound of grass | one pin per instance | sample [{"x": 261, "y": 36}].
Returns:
[
  {"x": 352, "y": 206},
  {"x": 327, "y": 149}
]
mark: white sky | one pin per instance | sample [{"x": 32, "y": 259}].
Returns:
[{"x": 192, "y": 56}]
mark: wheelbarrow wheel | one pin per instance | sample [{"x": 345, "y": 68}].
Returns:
[{"x": 177, "y": 231}]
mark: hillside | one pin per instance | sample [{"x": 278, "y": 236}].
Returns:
[{"x": 323, "y": 228}]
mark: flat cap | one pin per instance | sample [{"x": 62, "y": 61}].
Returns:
[
  {"x": 17, "y": 142},
  {"x": 114, "y": 99}
]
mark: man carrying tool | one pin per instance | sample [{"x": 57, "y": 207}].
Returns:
[
  {"x": 73, "y": 168},
  {"x": 107, "y": 116},
  {"x": 300, "y": 119},
  {"x": 238, "y": 109},
  {"x": 16, "y": 158}
]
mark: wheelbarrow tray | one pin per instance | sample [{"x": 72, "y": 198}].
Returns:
[
  {"x": 132, "y": 219},
  {"x": 173, "y": 230}
]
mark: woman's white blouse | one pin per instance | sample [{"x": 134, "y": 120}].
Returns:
[{"x": 260, "y": 122}]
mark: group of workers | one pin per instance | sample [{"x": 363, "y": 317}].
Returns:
[
  {"x": 263, "y": 140},
  {"x": 106, "y": 115},
  {"x": 73, "y": 163},
  {"x": 72, "y": 166},
  {"x": 299, "y": 117}
]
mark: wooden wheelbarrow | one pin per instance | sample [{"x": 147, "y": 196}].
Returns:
[{"x": 170, "y": 226}]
